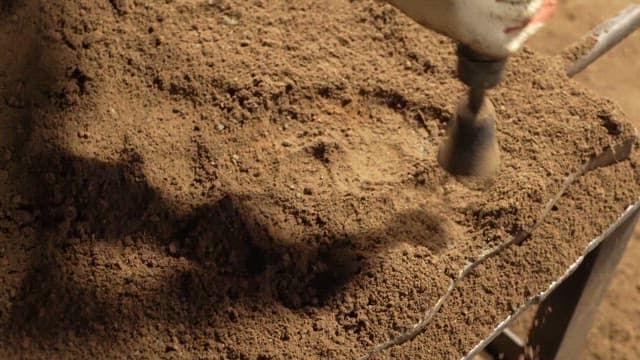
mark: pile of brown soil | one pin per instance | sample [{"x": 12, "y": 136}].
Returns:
[{"x": 257, "y": 180}]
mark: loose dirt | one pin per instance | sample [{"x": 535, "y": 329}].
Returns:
[
  {"x": 616, "y": 332},
  {"x": 257, "y": 180}
]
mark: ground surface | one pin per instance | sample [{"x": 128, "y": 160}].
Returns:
[
  {"x": 616, "y": 334},
  {"x": 257, "y": 180}
]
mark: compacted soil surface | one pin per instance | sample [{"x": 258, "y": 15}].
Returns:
[{"x": 257, "y": 180}]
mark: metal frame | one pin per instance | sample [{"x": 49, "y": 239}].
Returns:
[
  {"x": 568, "y": 308},
  {"x": 566, "y": 316},
  {"x": 574, "y": 298}
]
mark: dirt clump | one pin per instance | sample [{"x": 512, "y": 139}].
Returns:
[{"x": 258, "y": 180}]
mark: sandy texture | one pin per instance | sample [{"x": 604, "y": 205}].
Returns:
[
  {"x": 616, "y": 332},
  {"x": 257, "y": 180}
]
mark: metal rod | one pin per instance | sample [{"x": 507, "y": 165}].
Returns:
[
  {"x": 606, "y": 36},
  {"x": 476, "y": 98}
]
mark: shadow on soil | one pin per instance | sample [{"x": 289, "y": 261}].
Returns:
[
  {"x": 237, "y": 260},
  {"x": 236, "y": 256}
]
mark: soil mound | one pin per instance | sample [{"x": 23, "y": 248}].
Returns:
[{"x": 257, "y": 180}]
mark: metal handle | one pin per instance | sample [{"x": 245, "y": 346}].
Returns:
[{"x": 606, "y": 36}]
